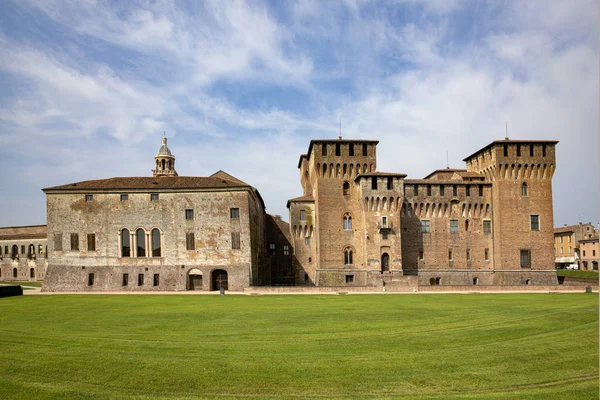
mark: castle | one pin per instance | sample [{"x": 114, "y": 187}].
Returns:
[{"x": 488, "y": 224}]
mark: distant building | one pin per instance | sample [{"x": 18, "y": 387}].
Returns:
[
  {"x": 588, "y": 248},
  {"x": 566, "y": 242},
  {"x": 23, "y": 253}
]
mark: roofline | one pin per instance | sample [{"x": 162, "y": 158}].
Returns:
[
  {"x": 23, "y": 226},
  {"x": 300, "y": 159},
  {"x": 509, "y": 142},
  {"x": 384, "y": 174},
  {"x": 446, "y": 170},
  {"x": 445, "y": 182},
  {"x": 315, "y": 141},
  {"x": 147, "y": 190}
]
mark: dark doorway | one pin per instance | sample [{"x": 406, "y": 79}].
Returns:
[
  {"x": 219, "y": 280},
  {"x": 385, "y": 262},
  {"x": 195, "y": 279}
]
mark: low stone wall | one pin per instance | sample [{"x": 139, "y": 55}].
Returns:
[
  {"x": 496, "y": 288},
  {"x": 573, "y": 281}
]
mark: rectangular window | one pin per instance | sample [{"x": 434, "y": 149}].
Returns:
[
  {"x": 468, "y": 254},
  {"x": 365, "y": 151},
  {"x": 450, "y": 255},
  {"x": 125, "y": 279},
  {"x": 480, "y": 190},
  {"x": 156, "y": 280},
  {"x": 428, "y": 190},
  {"x": 40, "y": 249},
  {"x": 518, "y": 150},
  {"x": 351, "y": 149},
  {"x": 307, "y": 241},
  {"x": 421, "y": 255},
  {"x": 235, "y": 240},
  {"x": 91, "y": 242},
  {"x": 505, "y": 150},
  {"x": 584, "y": 253},
  {"x": 390, "y": 183},
  {"x": 384, "y": 222},
  {"x": 531, "y": 150},
  {"x": 140, "y": 279},
  {"x": 286, "y": 250},
  {"x": 338, "y": 151},
  {"x": 324, "y": 149},
  {"x": 374, "y": 182},
  {"x": 58, "y": 241},
  {"x": 442, "y": 190},
  {"x": 562, "y": 239},
  {"x": 90, "y": 279},
  {"x": 74, "y": 241},
  {"x": 425, "y": 226},
  {"x": 453, "y": 225},
  {"x": 384, "y": 235},
  {"x": 570, "y": 249},
  {"x": 593, "y": 253},
  {"x": 189, "y": 214},
  {"x": 535, "y": 222},
  {"x": 302, "y": 215},
  {"x": 454, "y": 190},
  {"x": 569, "y": 238},
  {"x": 349, "y": 278},
  {"x": 416, "y": 190},
  {"x": 190, "y": 243},
  {"x": 89, "y": 197},
  {"x": 468, "y": 190},
  {"x": 487, "y": 254},
  {"x": 487, "y": 226},
  {"x": 543, "y": 150},
  {"x": 153, "y": 196},
  {"x": 235, "y": 213},
  {"x": 124, "y": 197},
  {"x": 272, "y": 249},
  {"x": 525, "y": 258}
]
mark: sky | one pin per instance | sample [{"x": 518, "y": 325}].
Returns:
[{"x": 87, "y": 89}]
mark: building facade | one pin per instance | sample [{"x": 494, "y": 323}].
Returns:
[
  {"x": 490, "y": 223},
  {"x": 165, "y": 232},
  {"x": 23, "y": 253},
  {"x": 566, "y": 243},
  {"x": 590, "y": 253}
]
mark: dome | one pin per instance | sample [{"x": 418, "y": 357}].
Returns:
[{"x": 164, "y": 150}]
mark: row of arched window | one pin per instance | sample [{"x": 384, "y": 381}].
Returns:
[
  {"x": 14, "y": 251},
  {"x": 440, "y": 210},
  {"x": 343, "y": 170},
  {"x": 140, "y": 243}
]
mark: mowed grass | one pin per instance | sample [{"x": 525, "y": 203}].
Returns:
[
  {"x": 577, "y": 273},
  {"x": 478, "y": 346},
  {"x": 11, "y": 283}
]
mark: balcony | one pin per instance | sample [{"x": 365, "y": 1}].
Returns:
[{"x": 388, "y": 226}]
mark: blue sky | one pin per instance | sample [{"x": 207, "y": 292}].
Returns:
[{"x": 88, "y": 88}]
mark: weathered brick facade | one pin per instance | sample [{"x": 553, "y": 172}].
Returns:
[
  {"x": 490, "y": 223},
  {"x": 23, "y": 253}
]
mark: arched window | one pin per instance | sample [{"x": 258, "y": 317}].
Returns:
[
  {"x": 347, "y": 221},
  {"x": 32, "y": 273},
  {"x": 31, "y": 251},
  {"x": 324, "y": 170},
  {"x": 346, "y": 188},
  {"x": 524, "y": 190},
  {"x": 140, "y": 239},
  {"x": 15, "y": 252},
  {"x": 156, "y": 250},
  {"x": 125, "y": 243},
  {"x": 348, "y": 257},
  {"x": 163, "y": 164},
  {"x": 385, "y": 262},
  {"x": 14, "y": 272}
]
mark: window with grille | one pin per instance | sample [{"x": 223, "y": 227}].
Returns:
[
  {"x": 124, "y": 197},
  {"x": 535, "y": 222},
  {"x": 487, "y": 226},
  {"x": 153, "y": 196},
  {"x": 286, "y": 250},
  {"x": 189, "y": 214},
  {"x": 525, "y": 258},
  {"x": 235, "y": 213},
  {"x": 425, "y": 226},
  {"x": 453, "y": 225}
]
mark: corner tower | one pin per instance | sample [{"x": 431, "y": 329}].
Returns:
[{"x": 165, "y": 161}]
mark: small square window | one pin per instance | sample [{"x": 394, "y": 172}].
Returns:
[
  {"x": 89, "y": 197},
  {"x": 487, "y": 226},
  {"x": 349, "y": 278},
  {"x": 124, "y": 197},
  {"x": 425, "y": 226},
  {"x": 453, "y": 225},
  {"x": 286, "y": 250},
  {"x": 153, "y": 196},
  {"x": 235, "y": 213},
  {"x": 189, "y": 214},
  {"x": 535, "y": 222}
]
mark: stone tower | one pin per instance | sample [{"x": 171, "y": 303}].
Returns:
[{"x": 165, "y": 161}]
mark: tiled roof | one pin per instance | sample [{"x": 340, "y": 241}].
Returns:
[
  {"x": 565, "y": 229},
  {"x": 306, "y": 198},
  {"x": 151, "y": 183}
]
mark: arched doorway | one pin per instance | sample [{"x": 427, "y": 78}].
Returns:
[
  {"x": 219, "y": 280},
  {"x": 385, "y": 262},
  {"x": 195, "y": 279}
]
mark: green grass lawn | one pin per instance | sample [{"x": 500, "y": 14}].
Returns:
[
  {"x": 34, "y": 284},
  {"x": 492, "y": 346},
  {"x": 577, "y": 273}
]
